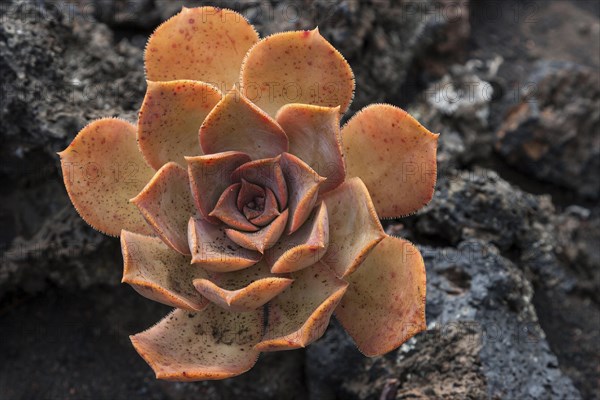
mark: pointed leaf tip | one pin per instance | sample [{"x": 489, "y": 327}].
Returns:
[
  {"x": 302, "y": 248},
  {"x": 170, "y": 118},
  {"x": 214, "y": 251},
  {"x": 159, "y": 273},
  {"x": 301, "y": 313},
  {"x": 237, "y": 124},
  {"x": 355, "y": 228},
  {"x": 243, "y": 290},
  {"x": 167, "y": 205},
  {"x": 263, "y": 239},
  {"x": 203, "y": 44},
  {"x": 394, "y": 155},
  {"x": 303, "y": 185},
  {"x": 296, "y": 67}
]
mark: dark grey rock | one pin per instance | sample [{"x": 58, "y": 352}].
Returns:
[
  {"x": 458, "y": 107},
  {"x": 553, "y": 133},
  {"x": 483, "y": 340},
  {"x": 65, "y": 252},
  {"x": 479, "y": 204},
  {"x": 59, "y": 69},
  {"x": 475, "y": 283},
  {"x": 578, "y": 236}
]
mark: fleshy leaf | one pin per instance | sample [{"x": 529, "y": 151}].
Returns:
[
  {"x": 203, "y": 44},
  {"x": 354, "y": 228},
  {"x": 170, "y": 118},
  {"x": 102, "y": 169},
  {"x": 166, "y": 203},
  {"x": 270, "y": 210},
  {"x": 213, "y": 250},
  {"x": 226, "y": 210},
  {"x": 385, "y": 302},
  {"x": 303, "y": 187},
  {"x": 250, "y": 213},
  {"x": 210, "y": 344},
  {"x": 304, "y": 247},
  {"x": 264, "y": 239},
  {"x": 210, "y": 176},
  {"x": 157, "y": 272},
  {"x": 296, "y": 67},
  {"x": 266, "y": 173},
  {"x": 248, "y": 192},
  {"x": 243, "y": 290},
  {"x": 394, "y": 155},
  {"x": 237, "y": 124},
  {"x": 301, "y": 313},
  {"x": 314, "y": 136}
]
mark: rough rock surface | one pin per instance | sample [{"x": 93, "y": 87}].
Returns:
[
  {"x": 458, "y": 105},
  {"x": 553, "y": 133},
  {"x": 479, "y": 204},
  {"x": 58, "y": 71},
  {"x": 483, "y": 341},
  {"x": 63, "y": 252}
]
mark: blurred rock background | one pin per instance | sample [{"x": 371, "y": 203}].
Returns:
[{"x": 511, "y": 240}]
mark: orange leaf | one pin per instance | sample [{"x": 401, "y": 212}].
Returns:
[
  {"x": 210, "y": 344},
  {"x": 296, "y": 67},
  {"x": 102, "y": 169},
  {"x": 394, "y": 155},
  {"x": 203, "y": 44},
  {"x": 385, "y": 302}
]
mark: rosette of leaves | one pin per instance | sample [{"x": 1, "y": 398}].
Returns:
[{"x": 241, "y": 202}]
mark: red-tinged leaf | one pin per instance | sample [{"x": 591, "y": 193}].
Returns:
[
  {"x": 170, "y": 118},
  {"x": 226, "y": 210},
  {"x": 210, "y": 175},
  {"x": 248, "y": 192},
  {"x": 264, "y": 239},
  {"x": 304, "y": 247},
  {"x": 244, "y": 290},
  {"x": 270, "y": 210},
  {"x": 296, "y": 67},
  {"x": 265, "y": 173},
  {"x": 394, "y": 155},
  {"x": 385, "y": 302},
  {"x": 235, "y": 124},
  {"x": 166, "y": 203},
  {"x": 157, "y": 272},
  {"x": 102, "y": 169},
  {"x": 301, "y": 313},
  {"x": 314, "y": 136},
  {"x": 210, "y": 344},
  {"x": 214, "y": 251},
  {"x": 203, "y": 44},
  {"x": 303, "y": 187},
  {"x": 353, "y": 226}
]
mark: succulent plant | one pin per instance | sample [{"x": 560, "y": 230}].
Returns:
[{"x": 241, "y": 202}]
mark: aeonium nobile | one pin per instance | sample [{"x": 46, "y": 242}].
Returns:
[{"x": 241, "y": 202}]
